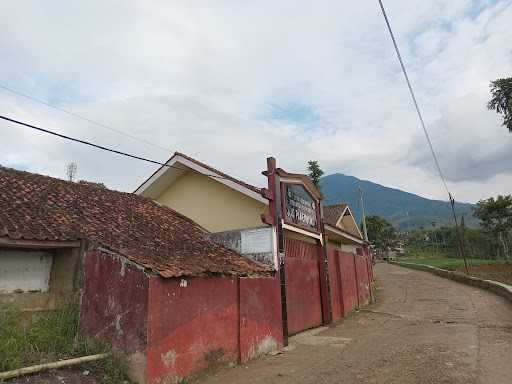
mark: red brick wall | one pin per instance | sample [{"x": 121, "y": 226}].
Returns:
[
  {"x": 260, "y": 317},
  {"x": 191, "y": 327}
]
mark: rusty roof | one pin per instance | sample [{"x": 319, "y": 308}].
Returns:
[
  {"x": 37, "y": 207},
  {"x": 332, "y": 213}
]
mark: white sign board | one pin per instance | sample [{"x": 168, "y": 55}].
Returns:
[{"x": 256, "y": 241}]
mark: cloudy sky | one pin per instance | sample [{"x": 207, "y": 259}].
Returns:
[{"x": 232, "y": 82}]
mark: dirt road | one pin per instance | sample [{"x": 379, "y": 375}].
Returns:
[{"x": 424, "y": 329}]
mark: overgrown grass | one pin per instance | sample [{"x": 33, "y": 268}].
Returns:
[{"x": 50, "y": 336}]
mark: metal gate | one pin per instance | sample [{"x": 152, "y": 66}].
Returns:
[{"x": 303, "y": 298}]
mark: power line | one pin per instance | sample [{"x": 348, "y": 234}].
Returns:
[
  {"x": 102, "y": 147},
  {"x": 84, "y": 118},
  {"x": 427, "y": 136}
]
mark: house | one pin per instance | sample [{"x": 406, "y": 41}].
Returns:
[
  {"x": 282, "y": 225},
  {"x": 149, "y": 279}
]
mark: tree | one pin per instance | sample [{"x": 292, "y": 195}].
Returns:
[
  {"x": 380, "y": 232},
  {"x": 501, "y": 100},
  {"x": 496, "y": 217},
  {"x": 314, "y": 172}
]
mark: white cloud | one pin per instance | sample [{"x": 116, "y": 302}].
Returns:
[{"x": 201, "y": 77}]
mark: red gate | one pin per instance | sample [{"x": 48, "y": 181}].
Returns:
[{"x": 303, "y": 299}]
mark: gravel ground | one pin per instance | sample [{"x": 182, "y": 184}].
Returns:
[{"x": 424, "y": 329}]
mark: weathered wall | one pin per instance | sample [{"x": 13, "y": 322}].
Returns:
[
  {"x": 303, "y": 299},
  {"x": 193, "y": 324},
  {"x": 349, "y": 248},
  {"x": 65, "y": 275},
  {"x": 212, "y": 204},
  {"x": 363, "y": 280},
  {"x": 254, "y": 243},
  {"x": 25, "y": 271},
  {"x": 114, "y": 306},
  {"x": 348, "y": 278},
  {"x": 261, "y": 328},
  {"x": 335, "y": 283},
  {"x": 41, "y": 279}
]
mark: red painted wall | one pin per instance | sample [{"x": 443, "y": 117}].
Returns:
[
  {"x": 191, "y": 327},
  {"x": 348, "y": 278},
  {"x": 335, "y": 283},
  {"x": 114, "y": 304},
  {"x": 363, "y": 280},
  {"x": 303, "y": 300},
  {"x": 260, "y": 317}
]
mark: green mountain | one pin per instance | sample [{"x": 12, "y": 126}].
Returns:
[{"x": 403, "y": 209}]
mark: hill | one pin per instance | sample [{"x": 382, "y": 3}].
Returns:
[{"x": 403, "y": 209}]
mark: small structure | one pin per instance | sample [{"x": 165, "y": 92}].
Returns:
[{"x": 150, "y": 281}]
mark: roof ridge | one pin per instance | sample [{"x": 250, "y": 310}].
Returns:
[{"x": 218, "y": 172}]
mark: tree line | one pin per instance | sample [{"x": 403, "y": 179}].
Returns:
[{"x": 491, "y": 240}]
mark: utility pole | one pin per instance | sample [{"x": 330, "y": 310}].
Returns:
[
  {"x": 459, "y": 235},
  {"x": 363, "y": 216}
]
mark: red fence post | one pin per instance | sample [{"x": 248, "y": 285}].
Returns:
[
  {"x": 325, "y": 294},
  {"x": 337, "y": 258},
  {"x": 357, "y": 281}
]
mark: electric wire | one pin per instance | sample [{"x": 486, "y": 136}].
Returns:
[
  {"x": 427, "y": 136},
  {"x": 423, "y": 125},
  {"x": 91, "y": 121},
  {"x": 97, "y": 146}
]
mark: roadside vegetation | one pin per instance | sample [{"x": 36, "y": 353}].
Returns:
[
  {"x": 448, "y": 263},
  {"x": 47, "y": 337},
  {"x": 488, "y": 248}
]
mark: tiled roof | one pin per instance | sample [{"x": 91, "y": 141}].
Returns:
[
  {"x": 332, "y": 213},
  {"x": 36, "y": 207}
]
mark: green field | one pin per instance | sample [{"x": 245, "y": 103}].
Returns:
[{"x": 449, "y": 263}]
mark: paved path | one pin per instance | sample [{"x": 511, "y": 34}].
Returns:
[{"x": 424, "y": 329}]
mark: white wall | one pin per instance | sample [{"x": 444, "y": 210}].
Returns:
[
  {"x": 349, "y": 248},
  {"x": 25, "y": 270}
]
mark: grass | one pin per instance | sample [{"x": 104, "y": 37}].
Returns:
[
  {"x": 448, "y": 263},
  {"x": 50, "y": 336},
  {"x": 497, "y": 270}
]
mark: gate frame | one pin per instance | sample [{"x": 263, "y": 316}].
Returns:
[{"x": 275, "y": 218}]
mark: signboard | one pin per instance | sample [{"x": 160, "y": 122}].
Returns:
[
  {"x": 257, "y": 240},
  {"x": 300, "y": 208}
]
